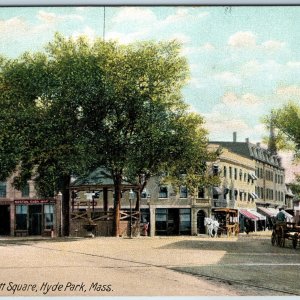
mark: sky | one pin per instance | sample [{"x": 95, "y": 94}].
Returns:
[{"x": 243, "y": 61}]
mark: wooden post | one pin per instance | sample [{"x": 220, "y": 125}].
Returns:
[{"x": 105, "y": 199}]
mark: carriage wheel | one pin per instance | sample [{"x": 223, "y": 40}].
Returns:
[
  {"x": 273, "y": 238},
  {"x": 282, "y": 237},
  {"x": 295, "y": 240}
]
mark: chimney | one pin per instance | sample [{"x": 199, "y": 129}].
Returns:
[
  {"x": 247, "y": 140},
  {"x": 234, "y": 136}
]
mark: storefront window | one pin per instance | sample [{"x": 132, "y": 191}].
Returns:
[
  {"x": 185, "y": 221},
  {"x": 161, "y": 220},
  {"x": 2, "y": 189},
  {"x": 49, "y": 216},
  {"x": 25, "y": 191},
  {"x": 21, "y": 217}
]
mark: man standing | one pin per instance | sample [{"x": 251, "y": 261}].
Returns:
[{"x": 280, "y": 217}]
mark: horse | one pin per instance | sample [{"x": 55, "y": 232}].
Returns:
[{"x": 212, "y": 225}]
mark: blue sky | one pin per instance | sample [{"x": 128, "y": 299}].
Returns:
[{"x": 244, "y": 61}]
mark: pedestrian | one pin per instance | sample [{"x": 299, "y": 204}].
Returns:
[
  {"x": 247, "y": 226},
  {"x": 280, "y": 217}
]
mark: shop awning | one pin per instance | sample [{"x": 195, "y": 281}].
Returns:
[
  {"x": 252, "y": 176},
  {"x": 266, "y": 211},
  {"x": 248, "y": 214},
  {"x": 217, "y": 191},
  {"x": 254, "y": 196},
  {"x": 288, "y": 216},
  {"x": 260, "y": 216}
]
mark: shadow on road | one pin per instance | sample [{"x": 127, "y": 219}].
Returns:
[
  {"x": 243, "y": 244},
  {"x": 29, "y": 240}
]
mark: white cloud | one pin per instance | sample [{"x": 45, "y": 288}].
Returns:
[
  {"x": 13, "y": 26},
  {"x": 88, "y": 32},
  {"x": 207, "y": 47},
  {"x": 181, "y": 37},
  {"x": 293, "y": 64},
  {"x": 221, "y": 125},
  {"x": 289, "y": 91},
  {"x": 52, "y": 18},
  {"x": 241, "y": 101},
  {"x": 126, "y": 38},
  {"x": 242, "y": 39},
  {"x": 272, "y": 45},
  {"x": 228, "y": 78},
  {"x": 135, "y": 14},
  {"x": 182, "y": 15}
]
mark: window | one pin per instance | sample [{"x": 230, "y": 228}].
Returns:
[
  {"x": 25, "y": 191},
  {"x": 235, "y": 173},
  {"x": 241, "y": 174},
  {"x": 161, "y": 219},
  {"x": 183, "y": 192},
  {"x": 215, "y": 170},
  {"x": 184, "y": 221},
  {"x": 201, "y": 192},
  {"x": 163, "y": 192},
  {"x": 21, "y": 217},
  {"x": 230, "y": 172},
  {"x": 245, "y": 177},
  {"x": 49, "y": 216},
  {"x": 3, "y": 189},
  {"x": 225, "y": 171}
]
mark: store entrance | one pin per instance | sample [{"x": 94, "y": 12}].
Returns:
[
  {"x": 35, "y": 219},
  {"x": 4, "y": 219}
]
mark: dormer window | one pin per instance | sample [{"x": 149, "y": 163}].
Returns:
[
  {"x": 183, "y": 192},
  {"x": 163, "y": 191}
]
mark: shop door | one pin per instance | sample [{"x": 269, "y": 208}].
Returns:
[
  {"x": 200, "y": 222},
  {"x": 173, "y": 221},
  {"x": 35, "y": 220},
  {"x": 4, "y": 219}
]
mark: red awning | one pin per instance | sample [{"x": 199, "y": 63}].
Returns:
[
  {"x": 248, "y": 214},
  {"x": 267, "y": 212}
]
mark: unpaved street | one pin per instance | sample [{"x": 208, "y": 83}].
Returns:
[{"x": 248, "y": 265}]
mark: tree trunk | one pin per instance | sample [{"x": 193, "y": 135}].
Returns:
[
  {"x": 105, "y": 199},
  {"x": 117, "y": 202},
  {"x": 66, "y": 205}
]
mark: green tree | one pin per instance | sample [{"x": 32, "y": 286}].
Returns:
[
  {"x": 80, "y": 104},
  {"x": 286, "y": 120}
]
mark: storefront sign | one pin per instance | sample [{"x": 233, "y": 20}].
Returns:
[{"x": 35, "y": 201}]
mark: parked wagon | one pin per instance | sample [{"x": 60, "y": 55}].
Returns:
[
  {"x": 285, "y": 231},
  {"x": 228, "y": 221}
]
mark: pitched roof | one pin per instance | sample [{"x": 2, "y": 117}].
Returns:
[
  {"x": 99, "y": 177},
  {"x": 251, "y": 151}
]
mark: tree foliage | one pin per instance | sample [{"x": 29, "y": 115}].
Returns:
[
  {"x": 82, "y": 104},
  {"x": 287, "y": 122}
]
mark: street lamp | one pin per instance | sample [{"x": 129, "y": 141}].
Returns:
[{"x": 131, "y": 197}]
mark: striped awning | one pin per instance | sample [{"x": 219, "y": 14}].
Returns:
[
  {"x": 260, "y": 216},
  {"x": 288, "y": 216},
  {"x": 266, "y": 211},
  {"x": 249, "y": 215}
]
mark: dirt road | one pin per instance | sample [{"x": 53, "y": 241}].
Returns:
[{"x": 175, "y": 266}]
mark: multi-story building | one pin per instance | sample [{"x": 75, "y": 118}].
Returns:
[
  {"x": 270, "y": 184},
  {"x": 237, "y": 174},
  {"x": 269, "y": 176},
  {"x": 174, "y": 212},
  {"x": 23, "y": 213}
]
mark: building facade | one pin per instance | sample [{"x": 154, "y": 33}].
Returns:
[{"x": 23, "y": 213}]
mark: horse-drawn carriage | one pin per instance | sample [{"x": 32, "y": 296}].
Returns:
[
  {"x": 226, "y": 222},
  {"x": 283, "y": 231}
]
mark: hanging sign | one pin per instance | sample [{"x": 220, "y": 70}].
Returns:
[{"x": 34, "y": 201}]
